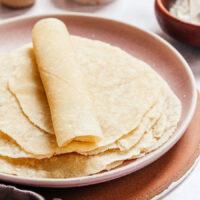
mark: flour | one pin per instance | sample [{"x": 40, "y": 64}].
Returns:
[{"x": 187, "y": 10}]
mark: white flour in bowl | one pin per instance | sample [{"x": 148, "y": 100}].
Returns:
[{"x": 187, "y": 10}]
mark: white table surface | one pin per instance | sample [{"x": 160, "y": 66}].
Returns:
[{"x": 140, "y": 13}]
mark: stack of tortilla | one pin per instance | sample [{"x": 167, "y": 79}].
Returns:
[{"x": 71, "y": 106}]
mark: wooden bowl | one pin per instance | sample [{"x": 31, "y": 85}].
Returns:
[
  {"x": 176, "y": 28},
  {"x": 17, "y": 3}
]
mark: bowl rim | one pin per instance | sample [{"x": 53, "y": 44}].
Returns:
[
  {"x": 165, "y": 11},
  {"x": 123, "y": 170}
]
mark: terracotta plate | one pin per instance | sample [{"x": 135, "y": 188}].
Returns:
[{"x": 146, "y": 46}]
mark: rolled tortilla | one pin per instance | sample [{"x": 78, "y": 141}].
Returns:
[{"x": 71, "y": 108}]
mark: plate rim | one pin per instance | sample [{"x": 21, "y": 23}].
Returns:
[{"x": 127, "y": 169}]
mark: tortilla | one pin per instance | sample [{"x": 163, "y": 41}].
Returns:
[
  {"x": 117, "y": 116},
  {"x": 76, "y": 165},
  {"x": 41, "y": 118},
  {"x": 15, "y": 124},
  {"x": 71, "y": 108},
  {"x": 147, "y": 122},
  {"x": 9, "y": 148}
]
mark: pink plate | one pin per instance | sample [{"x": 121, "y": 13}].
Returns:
[{"x": 144, "y": 45}]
